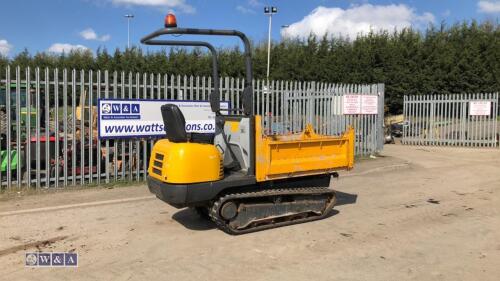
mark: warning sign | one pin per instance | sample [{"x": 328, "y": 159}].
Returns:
[
  {"x": 352, "y": 104},
  {"x": 480, "y": 108},
  {"x": 360, "y": 104},
  {"x": 369, "y": 104}
]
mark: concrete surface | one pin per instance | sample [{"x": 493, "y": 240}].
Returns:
[{"x": 418, "y": 213}]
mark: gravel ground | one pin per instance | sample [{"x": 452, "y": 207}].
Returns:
[{"x": 416, "y": 213}]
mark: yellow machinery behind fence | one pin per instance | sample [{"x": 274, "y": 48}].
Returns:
[{"x": 240, "y": 178}]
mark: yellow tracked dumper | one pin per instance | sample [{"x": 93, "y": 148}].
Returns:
[{"x": 240, "y": 178}]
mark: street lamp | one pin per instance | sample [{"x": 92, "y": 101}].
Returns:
[
  {"x": 129, "y": 17},
  {"x": 283, "y": 27},
  {"x": 270, "y": 11}
]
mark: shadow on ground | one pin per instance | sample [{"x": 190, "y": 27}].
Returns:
[
  {"x": 345, "y": 198},
  {"x": 191, "y": 220}
]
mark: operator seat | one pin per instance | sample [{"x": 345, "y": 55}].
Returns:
[{"x": 175, "y": 126}]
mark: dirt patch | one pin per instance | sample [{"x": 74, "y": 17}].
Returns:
[
  {"x": 37, "y": 244},
  {"x": 387, "y": 225}
]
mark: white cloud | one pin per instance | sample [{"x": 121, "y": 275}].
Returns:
[
  {"x": 356, "y": 20},
  {"x": 255, "y": 3},
  {"x": 105, "y": 37},
  {"x": 65, "y": 48},
  {"x": 170, "y": 4},
  {"x": 90, "y": 34},
  {"x": 251, "y": 9},
  {"x": 5, "y": 47},
  {"x": 244, "y": 10},
  {"x": 488, "y": 6}
]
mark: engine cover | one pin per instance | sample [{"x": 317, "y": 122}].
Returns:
[{"x": 184, "y": 163}]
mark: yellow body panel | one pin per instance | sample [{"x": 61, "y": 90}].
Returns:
[
  {"x": 180, "y": 163},
  {"x": 302, "y": 154}
]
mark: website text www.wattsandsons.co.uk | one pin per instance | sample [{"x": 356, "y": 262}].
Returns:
[{"x": 156, "y": 128}]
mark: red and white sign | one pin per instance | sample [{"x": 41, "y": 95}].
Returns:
[
  {"x": 480, "y": 108},
  {"x": 352, "y": 104},
  {"x": 369, "y": 104},
  {"x": 360, "y": 104}
]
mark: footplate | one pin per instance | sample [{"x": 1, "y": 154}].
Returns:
[{"x": 253, "y": 211}]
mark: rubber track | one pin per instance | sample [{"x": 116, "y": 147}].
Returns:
[{"x": 222, "y": 225}]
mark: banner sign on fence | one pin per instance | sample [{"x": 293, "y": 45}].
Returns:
[
  {"x": 480, "y": 108},
  {"x": 132, "y": 118},
  {"x": 369, "y": 104},
  {"x": 360, "y": 104},
  {"x": 352, "y": 104}
]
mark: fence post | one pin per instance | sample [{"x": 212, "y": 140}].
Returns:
[
  {"x": 380, "y": 127},
  {"x": 462, "y": 118},
  {"x": 496, "y": 109}
]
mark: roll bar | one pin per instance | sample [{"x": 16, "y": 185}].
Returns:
[
  {"x": 215, "y": 96},
  {"x": 214, "y": 103}
]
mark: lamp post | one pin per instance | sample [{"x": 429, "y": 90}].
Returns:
[
  {"x": 270, "y": 11},
  {"x": 283, "y": 27},
  {"x": 129, "y": 17}
]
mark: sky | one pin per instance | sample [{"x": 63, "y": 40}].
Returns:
[{"x": 62, "y": 25}]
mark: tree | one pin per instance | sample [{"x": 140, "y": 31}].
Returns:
[{"x": 461, "y": 58}]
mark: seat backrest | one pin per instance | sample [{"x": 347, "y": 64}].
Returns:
[{"x": 175, "y": 124}]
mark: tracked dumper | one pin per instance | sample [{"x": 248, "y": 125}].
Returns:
[{"x": 241, "y": 178}]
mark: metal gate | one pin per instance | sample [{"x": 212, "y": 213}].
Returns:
[
  {"x": 48, "y": 120},
  {"x": 321, "y": 105},
  {"x": 452, "y": 120}
]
